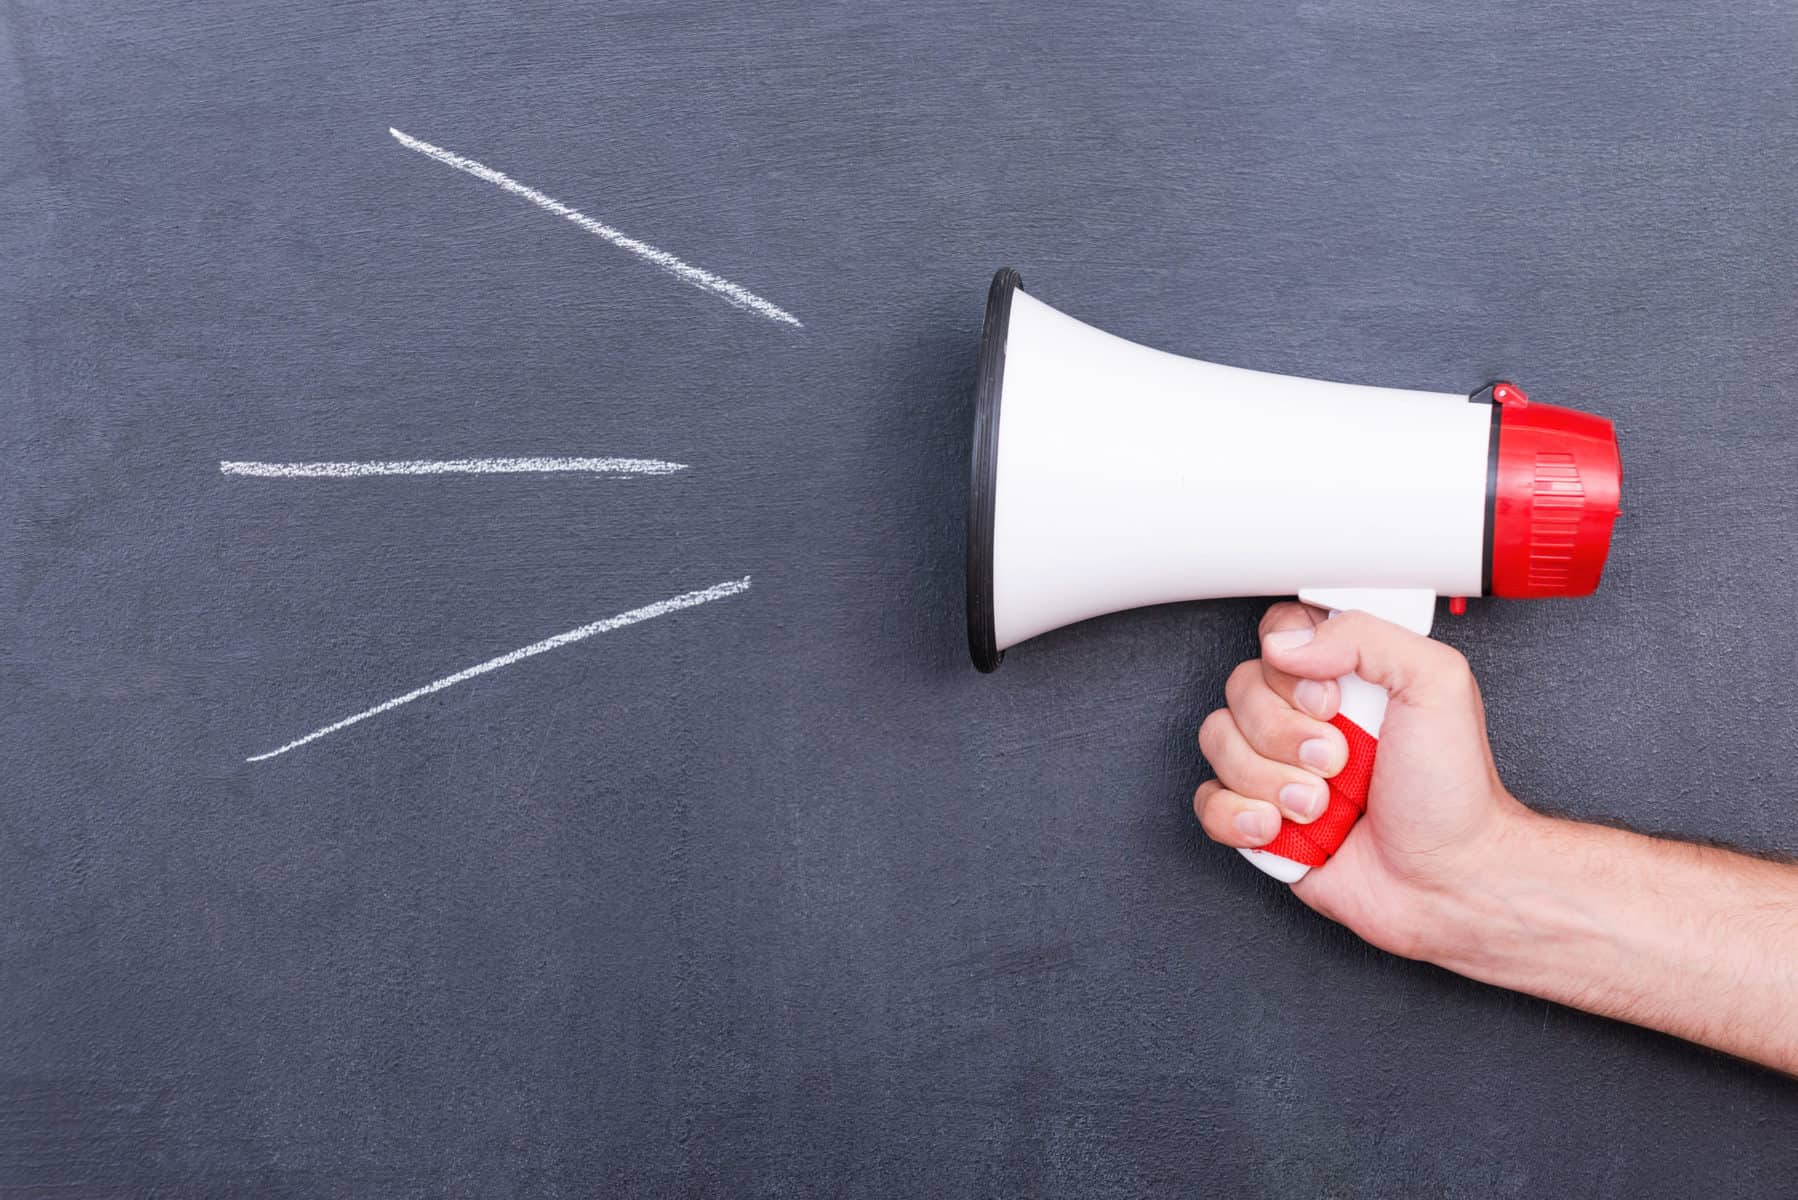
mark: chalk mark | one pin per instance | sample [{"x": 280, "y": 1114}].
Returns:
[
  {"x": 699, "y": 277},
  {"x": 451, "y": 466},
  {"x": 717, "y": 591}
]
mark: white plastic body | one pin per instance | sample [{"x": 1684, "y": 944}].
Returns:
[
  {"x": 1127, "y": 476},
  {"x": 1363, "y": 703}
]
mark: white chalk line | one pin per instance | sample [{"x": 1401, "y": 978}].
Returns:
[
  {"x": 649, "y": 611},
  {"x": 699, "y": 277},
  {"x": 451, "y": 466}
]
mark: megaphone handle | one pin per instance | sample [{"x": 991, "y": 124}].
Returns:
[{"x": 1297, "y": 848}]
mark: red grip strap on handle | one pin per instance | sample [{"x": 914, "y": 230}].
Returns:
[{"x": 1313, "y": 844}]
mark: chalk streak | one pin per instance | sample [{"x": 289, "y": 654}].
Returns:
[
  {"x": 451, "y": 466},
  {"x": 699, "y": 277},
  {"x": 648, "y": 612}
]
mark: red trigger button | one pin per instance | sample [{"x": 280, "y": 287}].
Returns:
[
  {"x": 1458, "y": 604},
  {"x": 1509, "y": 393}
]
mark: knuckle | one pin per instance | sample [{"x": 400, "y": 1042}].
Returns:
[
  {"x": 1453, "y": 668},
  {"x": 1278, "y": 733},
  {"x": 1213, "y": 729},
  {"x": 1243, "y": 679}
]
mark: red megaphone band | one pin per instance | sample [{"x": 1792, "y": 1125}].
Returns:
[{"x": 1313, "y": 844}]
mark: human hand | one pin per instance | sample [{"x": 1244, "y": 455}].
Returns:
[{"x": 1437, "y": 815}]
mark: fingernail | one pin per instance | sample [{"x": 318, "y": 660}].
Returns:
[
  {"x": 1289, "y": 639},
  {"x": 1316, "y": 753},
  {"x": 1302, "y": 800},
  {"x": 1258, "y": 824},
  {"x": 1311, "y": 696}
]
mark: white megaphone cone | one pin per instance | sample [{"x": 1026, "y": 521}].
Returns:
[{"x": 1108, "y": 476}]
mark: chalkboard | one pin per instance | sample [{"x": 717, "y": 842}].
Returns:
[{"x": 742, "y": 881}]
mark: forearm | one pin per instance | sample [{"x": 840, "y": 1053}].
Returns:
[{"x": 1694, "y": 941}]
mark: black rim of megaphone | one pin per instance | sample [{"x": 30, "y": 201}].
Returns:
[{"x": 983, "y": 477}]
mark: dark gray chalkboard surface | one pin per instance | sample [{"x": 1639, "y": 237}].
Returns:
[{"x": 774, "y": 895}]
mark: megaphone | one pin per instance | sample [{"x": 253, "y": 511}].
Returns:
[{"x": 1109, "y": 476}]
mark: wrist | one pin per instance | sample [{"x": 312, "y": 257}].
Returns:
[{"x": 1491, "y": 917}]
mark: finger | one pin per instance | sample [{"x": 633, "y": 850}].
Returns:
[
  {"x": 1319, "y": 697},
  {"x": 1413, "y": 668},
  {"x": 1290, "y": 614},
  {"x": 1298, "y": 793},
  {"x": 1234, "y": 820},
  {"x": 1277, "y": 730}
]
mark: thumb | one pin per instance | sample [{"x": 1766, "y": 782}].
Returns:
[{"x": 1413, "y": 668}]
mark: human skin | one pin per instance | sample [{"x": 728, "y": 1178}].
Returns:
[{"x": 1450, "y": 868}]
